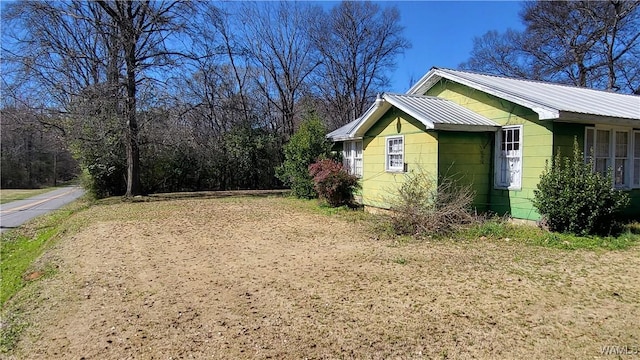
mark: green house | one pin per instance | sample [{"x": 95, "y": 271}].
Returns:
[{"x": 493, "y": 133}]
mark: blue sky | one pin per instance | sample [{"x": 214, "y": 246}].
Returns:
[{"x": 442, "y": 32}]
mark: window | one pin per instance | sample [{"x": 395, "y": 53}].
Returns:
[
  {"x": 602, "y": 151},
  {"x": 509, "y": 157},
  {"x": 616, "y": 150},
  {"x": 636, "y": 159},
  {"x": 352, "y": 157},
  {"x": 621, "y": 160},
  {"x": 394, "y": 154}
]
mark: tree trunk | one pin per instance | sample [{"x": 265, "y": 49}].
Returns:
[
  {"x": 131, "y": 130},
  {"x": 133, "y": 160},
  {"x": 55, "y": 168}
]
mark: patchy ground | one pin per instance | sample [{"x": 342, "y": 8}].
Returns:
[{"x": 272, "y": 278}]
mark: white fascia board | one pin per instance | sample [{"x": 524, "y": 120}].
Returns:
[
  {"x": 543, "y": 113},
  {"x": 434, "y": 75},
  {"x": 370, "y": 117},
  {"x": 581, "y": 118},
  {"x": 336, "y": 138},
  {"x": 426, "y": 81},
  {"x": 339, "y": 138}
]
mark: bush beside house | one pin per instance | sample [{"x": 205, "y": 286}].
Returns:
[
  {"x": 305, "y": 147},
  {"x": 573, "y": 198}
]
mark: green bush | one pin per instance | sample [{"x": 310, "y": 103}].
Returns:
[
  {"x": 103, "y": 163},
  {"x": 572, "y": 198},
  {"x": 332, "y": 182},
  {"x": 305, "y": 147},
  {"x": 103, "y": 176}
]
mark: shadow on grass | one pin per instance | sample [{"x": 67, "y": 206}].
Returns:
[{"x": 198, "y": 195}]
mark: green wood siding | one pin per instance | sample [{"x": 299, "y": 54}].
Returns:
[
  {"x": 469, "y": 156},
  {"x": 564, "y": 135},
  {"x": 537, "y": 144},
  {"x": 633, "y": 211},
  {"x": 420, "y": 154},
  {"x": 466, "y": 157}
]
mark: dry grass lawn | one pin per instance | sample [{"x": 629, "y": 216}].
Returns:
[{"x": 274, "y": 278}]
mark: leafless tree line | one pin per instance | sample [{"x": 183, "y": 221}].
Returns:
[
  {"x": 592, "y": 44},
  {"x": 178, "y": 95}
]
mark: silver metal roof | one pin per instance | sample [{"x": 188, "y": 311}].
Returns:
[
  {"x": 342, "y": 133},
  {"x": 433, "y": 111},
  {"x": 549, "y": 100}
]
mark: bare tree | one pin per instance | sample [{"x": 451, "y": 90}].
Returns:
[
  {"x": 104, "y": 50},
  {"x": 142, "y": 28},
  {"x": 620, "y": 44},
  {"x": 584, "y": 43},
  {"x": 156, "y": 96},
  {"x": 54, "y": 52},
  {"x": 501, "y": 54},
  {"x": 33, "y": 153},
  {"x": 222, "y": 73},
  {"x": 277, "y": 42},
  {"x": 358, "y": 43}
]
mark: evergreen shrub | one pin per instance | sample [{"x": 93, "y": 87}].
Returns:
[{"x": 573, "y": 198}]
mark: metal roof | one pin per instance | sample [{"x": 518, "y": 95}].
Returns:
[
  {"x": 342, "y": 133},
  {"x": 550, "y": 101},
  {"x": 433, "y": 111}
]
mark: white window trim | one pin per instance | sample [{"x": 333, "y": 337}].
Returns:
[
  {"x": 634, "y": 158},
  {"x": 356, "y": 158},
  {"x": 350, "y": 157},
  {"x": 498, "y": 159},
  {"x": 630, "y": 159},
  {"x": 386, "y": 154}
]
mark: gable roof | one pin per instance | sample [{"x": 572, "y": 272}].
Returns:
[
  {"x": 434, "y": 113},
  {"x": 342, "y": 133},
  {"x": 550, "y": 101}
]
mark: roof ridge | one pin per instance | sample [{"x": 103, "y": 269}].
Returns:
[
  {"x": 416, "y": 95},
  {"x": 536, "y": 81}
]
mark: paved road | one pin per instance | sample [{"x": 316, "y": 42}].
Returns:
[{"x": 16, "y": 213}]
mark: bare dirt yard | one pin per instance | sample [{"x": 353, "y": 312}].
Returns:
[{"x": 269, "y": 277}]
